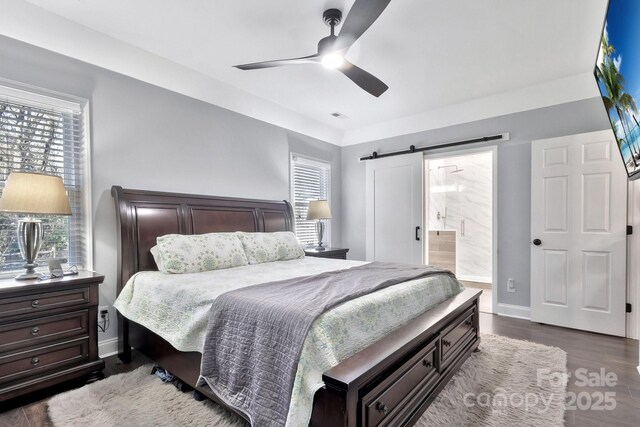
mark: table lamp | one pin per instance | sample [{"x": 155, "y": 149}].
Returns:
[
  {"x": 319, "y": 210},
  {"x": 33, "y": 193}
]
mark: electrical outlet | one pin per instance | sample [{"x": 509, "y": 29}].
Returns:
[
  {"x": 103, "y": 311},
  {"x": 103, "y": 318},
  {"x": 511, "y": 285}
]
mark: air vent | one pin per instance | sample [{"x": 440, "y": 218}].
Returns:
[{"x": 338, "y": 115}]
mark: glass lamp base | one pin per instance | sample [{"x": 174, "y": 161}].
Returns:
[
  {"x": 27, "y": 276},
  {"x": 29, "y": 241},
  {"x": 320, "y": 232}
]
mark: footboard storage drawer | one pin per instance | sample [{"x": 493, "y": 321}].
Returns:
[
  {"x": 385, "y": 404},
  {"x": 456, "y": 337}
]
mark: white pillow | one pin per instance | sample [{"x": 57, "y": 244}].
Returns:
[
  {"x": 269, "y": 247},
  {"x": 179, "y": 253}
]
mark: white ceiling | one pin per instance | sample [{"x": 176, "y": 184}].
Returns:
[{"x": 433, "y": 54}]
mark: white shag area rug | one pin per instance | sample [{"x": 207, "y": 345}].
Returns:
[{"x": 509, "y": 383}]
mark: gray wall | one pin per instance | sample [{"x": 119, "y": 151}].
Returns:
[
  {"x": 514, "y": 180},
  {"x": 150, "y": 138}
]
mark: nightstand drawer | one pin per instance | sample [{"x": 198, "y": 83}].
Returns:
[
  {"x": 335, "y": 253},
  {"x": 333, "y": 256},
  {"x": 35, "y": 303},
  {"x": 45, "y": 329},
  {"x": 37, "y": 360}
]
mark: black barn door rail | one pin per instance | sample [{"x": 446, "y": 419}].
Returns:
[{"x": 413, "y": 149}]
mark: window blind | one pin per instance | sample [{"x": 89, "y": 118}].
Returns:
[
  {"x": 311, "y": 180},
  {"x": 43, "y": 134}
]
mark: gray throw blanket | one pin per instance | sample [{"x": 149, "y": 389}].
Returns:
[{"x": 255, "y": 334}]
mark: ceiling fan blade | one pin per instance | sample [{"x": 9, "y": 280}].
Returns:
[
  {"x": 278, "y": 63},
  {"x": 365, "y": 80},
  {"x": 362, "y": 15}
]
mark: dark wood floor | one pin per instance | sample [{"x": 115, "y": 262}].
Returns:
[{"x": 585, "y": 350}]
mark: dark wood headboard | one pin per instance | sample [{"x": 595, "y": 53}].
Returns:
[{"x": 142, "y": 216}]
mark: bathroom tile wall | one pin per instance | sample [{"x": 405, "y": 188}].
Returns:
[{"x": 467, "y": 197}]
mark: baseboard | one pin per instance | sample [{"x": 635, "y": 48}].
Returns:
[
  {"x": 478, "y": 279},
  {"x": 510, "y": 310},
  {"x": 108, "y": 347}
]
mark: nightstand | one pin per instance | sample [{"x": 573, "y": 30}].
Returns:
[
  {"x": 48, "y": 332},
  {"x": 337, "y": 253}
]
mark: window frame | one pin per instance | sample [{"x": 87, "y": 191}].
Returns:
[
  {"x": 311, "y": 161},
  {"x": 49, "y": 98}
]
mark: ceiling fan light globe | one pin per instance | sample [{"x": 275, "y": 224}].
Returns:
[{"x": 333, "y": 60}]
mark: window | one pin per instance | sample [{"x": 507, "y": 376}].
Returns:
[
  {"x": 45, "y": 134},
  {"x": 310, "y": 180}
]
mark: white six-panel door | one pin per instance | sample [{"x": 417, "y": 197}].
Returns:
[
  {"x": 394, "y": 198},
  {"x": 578, "y": 231}
]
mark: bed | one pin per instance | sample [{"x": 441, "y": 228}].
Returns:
[{"x": 389, "y": 382}]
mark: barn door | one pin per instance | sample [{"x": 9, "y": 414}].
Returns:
[{"x": 394, "y": 219}]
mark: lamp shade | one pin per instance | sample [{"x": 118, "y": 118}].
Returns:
[
  {"x": 34, "y": 193},
  {"x": 319, "y": 209}
]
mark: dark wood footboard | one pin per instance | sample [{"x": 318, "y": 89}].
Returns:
[{"x": 391, "y": 382}]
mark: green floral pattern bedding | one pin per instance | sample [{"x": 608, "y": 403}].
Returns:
[
  {"x": 176, "y": 308},
  {"x": 270, "y": 247},
  {"x": 194, "y": 253}
]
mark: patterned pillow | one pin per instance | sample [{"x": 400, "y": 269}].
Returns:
[
  {"x": 269, "y": 247},
  {"x": 178, "y": 253}
]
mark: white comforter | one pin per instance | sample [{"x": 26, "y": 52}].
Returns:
[{"x": 176, "y": 306}]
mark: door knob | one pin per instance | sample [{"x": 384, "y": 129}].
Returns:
[{"x": 537, "y": 242}]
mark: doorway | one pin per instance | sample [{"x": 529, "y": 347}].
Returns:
[{"x": 460, "y": 207}]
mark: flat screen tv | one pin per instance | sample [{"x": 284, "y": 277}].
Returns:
[{"x": 617, "y": 72}]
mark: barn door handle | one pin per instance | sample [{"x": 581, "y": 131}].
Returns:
[
  {"x": 537, "y": 242},
  {"x": 418, "y": 233}
]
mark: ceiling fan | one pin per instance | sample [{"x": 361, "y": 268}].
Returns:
[{"x": 332, "y": 49}]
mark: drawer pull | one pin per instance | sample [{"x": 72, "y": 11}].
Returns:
[
  {"x": 446, "y": 343},
  {"x": 426, "y": 363},
  {"x": 35, "y": 330},
  {"x": 35, "y": 303},
  {"x": 383, "y": 408},
  {"x": 35, "y": 361},
  {"x": 469, "y": 322}
]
